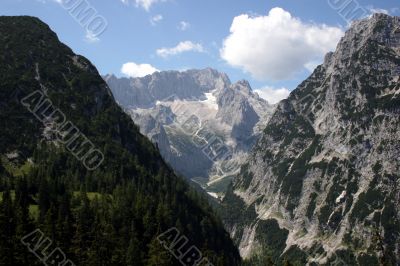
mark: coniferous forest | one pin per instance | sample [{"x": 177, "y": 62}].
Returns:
[{"x": 111, "y": 215}]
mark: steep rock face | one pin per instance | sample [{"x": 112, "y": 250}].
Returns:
[
  {"x": 237, "y": 111},
  {"x": 327, "y": 166},
  {"x": 203, "y": 125}
]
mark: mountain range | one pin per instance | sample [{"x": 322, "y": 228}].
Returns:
[
  {"x": 99, "y": 166},
  {"x": 203, "y": 124}
]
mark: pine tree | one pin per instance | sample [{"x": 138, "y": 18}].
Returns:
[
  {"x": 44, "y": 199},
  {"x": 7, "y": 230},
  {"x": 64, "y": 223},
  {"x": 24, "y": 224},
  {"x": 134, "y": 255},
  {"x": 82, "y": 236},
  {"x": 49, "y": 224},
  {"x": 158, "y": 255}
]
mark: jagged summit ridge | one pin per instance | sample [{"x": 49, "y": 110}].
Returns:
[
  {"x": 217, "y": 110},
  {"x": 162, "y": 86}
]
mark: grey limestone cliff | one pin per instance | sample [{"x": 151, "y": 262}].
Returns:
[{"x": 322, "y": 183}]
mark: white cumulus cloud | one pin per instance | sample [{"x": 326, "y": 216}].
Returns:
[
  {"x": 182, "y": 47},
  {"x": 145, "y": 4},
  {"x": 379, "y": 10},
  {"x": 273, "y": 95},
  {"x": 154, "y": 20},
  {"x": 277, "y": 45},
  {"x": 391, "y": 11},
  {"x": 134, "y": 70},
  {"x": 183, "y": 25},
  {"x": 91, "y": 37}
]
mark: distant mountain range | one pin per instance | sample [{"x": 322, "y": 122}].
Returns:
[{"x": 203, "y": 124}]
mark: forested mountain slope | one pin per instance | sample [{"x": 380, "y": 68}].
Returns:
[{"x": 109, "y": 215}]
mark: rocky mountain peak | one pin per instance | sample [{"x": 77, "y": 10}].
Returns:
[
  {"x": 379, "y": 29},
  {"x": 109, "y": 77},
  {"x": 242, "y": 86},
  {"x": 323, "y": 174}
]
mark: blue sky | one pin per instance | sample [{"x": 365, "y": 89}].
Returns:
[{"x": 274, "y": 44}]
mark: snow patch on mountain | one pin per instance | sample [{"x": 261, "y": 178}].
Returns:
[{"x": 203, "y": 124}]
